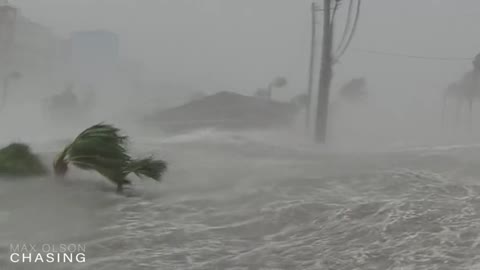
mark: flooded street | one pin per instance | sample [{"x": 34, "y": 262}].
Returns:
[
  {"x": 257, "y": 135},
  {"x": 238, "y": 204}
]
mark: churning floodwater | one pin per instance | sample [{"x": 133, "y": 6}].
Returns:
[{"x": 234, "y": 203}]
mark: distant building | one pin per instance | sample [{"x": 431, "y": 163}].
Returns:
[
  {"x": 25, "y": 46},
  {"x": 8, "y": 17},
  {"x": 94, "y": 56}
]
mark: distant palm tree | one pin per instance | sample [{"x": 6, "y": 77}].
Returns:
[
  {"x": 63, "y": 104},
  {"x": 278, "y": 82},
  {"x": 476, "y": 62},
  {"x": 462, "y": 94},
  {"x": 354, "y": 91}
]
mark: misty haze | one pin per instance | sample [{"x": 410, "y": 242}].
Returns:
[{"x": 239, "y": 134}]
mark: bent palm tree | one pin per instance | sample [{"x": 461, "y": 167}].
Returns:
[{"x": 101, "y": 148}]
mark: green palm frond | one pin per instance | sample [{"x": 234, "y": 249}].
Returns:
[
  {"x": 147, "y": 167},
  {"x": 106, "y": 132},
  {"x": 99, "y": 147}
]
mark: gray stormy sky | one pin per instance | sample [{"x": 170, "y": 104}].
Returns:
[{"x": 241, "y": 44}]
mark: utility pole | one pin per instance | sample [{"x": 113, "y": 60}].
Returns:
[
  {"x": 312, "y": 66},
  {"x": 475, "y": 88},
  {"x": 325, "y": 75}
]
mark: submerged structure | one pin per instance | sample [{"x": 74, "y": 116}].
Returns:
[{"x": 225, "y": 110}]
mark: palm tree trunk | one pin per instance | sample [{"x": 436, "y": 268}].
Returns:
[
  {"x": 311, "y": 69},
  {"x": 470, "y": 117},
  {"x": 458, "y": 110},
  {"x": 444, "y": 108},
  {"x": 119, "y": 187},
  {"x": 269, "y": 91}
]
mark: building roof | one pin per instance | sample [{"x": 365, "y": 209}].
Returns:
[
  {"x": 225, "y": 110},
  {"x": 4, "y": 6}
]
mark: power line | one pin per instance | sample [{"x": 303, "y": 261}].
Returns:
[
  {"x": 335, "y": 9},
  {"x": 347, "y": 26},
  {"x": 352, "y": 32},
  {"x": 415, "y": 56},
  {"x": 312, "y": 63}
]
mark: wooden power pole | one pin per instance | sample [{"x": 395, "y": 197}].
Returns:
[
  {"x": 325, "y": 75},
  {"x": 312, "y": 66}
]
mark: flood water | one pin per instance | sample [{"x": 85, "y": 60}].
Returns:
[{"x": 233, "y": 203}]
